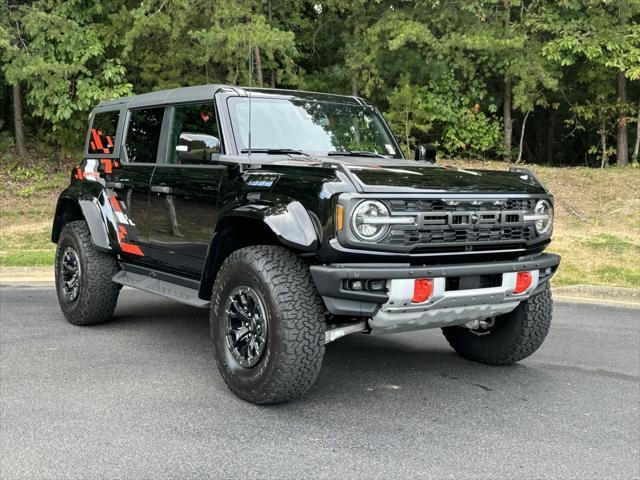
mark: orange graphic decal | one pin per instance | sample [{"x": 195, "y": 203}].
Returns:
[
  {"x": 107, "y": 164},
  {"x": 115, "y": 203},
  {"x": 97, "y": 141},
  {"x": 128, "y": 247}
]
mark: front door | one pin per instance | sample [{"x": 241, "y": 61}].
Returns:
[
  {"x": 183, "y": 205},
  {"x": 130, "y": 181}
]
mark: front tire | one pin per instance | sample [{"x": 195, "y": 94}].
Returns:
[
  {"x": 86, "y": 294},
  {"x": 513, "y": 337},
  {"x": 267, "y": 325}
]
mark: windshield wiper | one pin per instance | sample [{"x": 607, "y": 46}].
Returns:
[
  {"x": 275, "y": 151},
  {"x": 356, "y": 153}
]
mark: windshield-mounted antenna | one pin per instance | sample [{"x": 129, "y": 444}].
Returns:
[{"x": 249, "y": 93}]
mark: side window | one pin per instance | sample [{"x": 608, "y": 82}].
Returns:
[
  {"x": 143, "y": 134},
  {"x": 194, "y": 134},
  {"x": 103, "y": 132}
]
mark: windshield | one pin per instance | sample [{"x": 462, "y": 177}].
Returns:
[{"x": 309, "y": 126}]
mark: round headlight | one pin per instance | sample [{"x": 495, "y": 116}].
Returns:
[
  {"x": 365, "y": 218},
  {"x": 544, "y": 225}
]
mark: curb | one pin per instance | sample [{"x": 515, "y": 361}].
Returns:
[
  {"x": 628, "y": 296},
  {"x": 26, "y": 275}
]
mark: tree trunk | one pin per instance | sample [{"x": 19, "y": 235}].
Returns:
[
  {"x": 17, "y": 121},
  {"x": 622, "y": 149},
  {"x": 354, "y": 86},
  {"x": 506, "y": 108},
  {"x": 551, "y": 133},
  {"x": 506, "y": 115},
  {"x": 256, "y": 52},
  {"x": 270, "y": 17},
  {"x": 636, "y": 146},
  {"x": 524, "y": 124},
  {"x": 603, "y": 145}
]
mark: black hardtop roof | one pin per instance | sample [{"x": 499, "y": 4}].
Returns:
[{"x": 206, "y": 92}]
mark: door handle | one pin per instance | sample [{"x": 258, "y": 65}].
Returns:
[
  {"x": 115, "y": 185},
  {"x": 160, "y": 189}
]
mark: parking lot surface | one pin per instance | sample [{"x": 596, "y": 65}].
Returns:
[{"x": 141, "y": 397}]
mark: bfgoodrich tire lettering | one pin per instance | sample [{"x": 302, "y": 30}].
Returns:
[
  {"x": 515, "y": 335},
  {"x": 96, "y": 296},
  {"x": 289, "y": 365}
]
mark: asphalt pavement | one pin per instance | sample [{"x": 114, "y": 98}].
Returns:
[{"x": 141, "y": 397}]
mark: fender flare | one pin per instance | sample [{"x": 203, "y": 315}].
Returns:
[
  {"x": 96, "y": 212},
  {"x": 290, "y": 223},
  {"x": 97, "y": 220}
]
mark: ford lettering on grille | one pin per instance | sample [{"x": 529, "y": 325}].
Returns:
[{"x": 481, "y": 219}]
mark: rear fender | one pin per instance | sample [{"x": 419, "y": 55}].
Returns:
[{"x": 104, "y": 214}]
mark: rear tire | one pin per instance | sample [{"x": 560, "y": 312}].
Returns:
[
  {"x": 281, "y": 296},
  {"x": 90, "y": 297},
  {"x": 515, "y": 335}
]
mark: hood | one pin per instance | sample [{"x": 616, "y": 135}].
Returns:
[
  {"x": 382, "y": 175},
  {"x": 387, "y": 175}
]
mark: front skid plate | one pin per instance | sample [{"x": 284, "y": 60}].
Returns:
[
  {"x": 446, "y": 307},
  {"x": 385, "y": 322}
]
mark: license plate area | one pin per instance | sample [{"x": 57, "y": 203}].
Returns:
[{"x": 473, "y": 282}]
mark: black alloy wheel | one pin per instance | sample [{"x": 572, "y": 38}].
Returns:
[
  {"x": 70, "y": 273},
  {"x": 247, "y": 326}
]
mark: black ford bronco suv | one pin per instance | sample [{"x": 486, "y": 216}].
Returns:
[{"x": 295, "y": 218}]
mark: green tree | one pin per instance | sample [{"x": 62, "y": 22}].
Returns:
[
  {"x": 603, "y": 36},
  {"x": 68, "y": 58}
]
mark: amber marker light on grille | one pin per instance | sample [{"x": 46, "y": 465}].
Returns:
[{"x": 339, "y": 217}]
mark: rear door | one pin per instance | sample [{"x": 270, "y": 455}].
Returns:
[
  {"x": 183, "y": 205},
  {"x": 131, "y": 180}
]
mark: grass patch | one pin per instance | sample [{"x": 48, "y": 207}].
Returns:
[
  {"x": 619, "y": 275},
  {"x": 27, "y": 258},
  {"x": 609, "y": 243}
]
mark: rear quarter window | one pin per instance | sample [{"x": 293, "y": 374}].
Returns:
[
  {"x": 143, "y": 135},
  {"x": 102, "y": 136}
]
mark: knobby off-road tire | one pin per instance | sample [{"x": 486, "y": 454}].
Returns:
[
  {"x": 515, "y": 335},
  {"x": 96, "y": 295},
  {"x": 293, "y": 350}
]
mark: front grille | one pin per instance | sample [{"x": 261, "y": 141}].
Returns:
[
  {"x": 457, "y": 222},
  {"x": 426, "y": 205}
]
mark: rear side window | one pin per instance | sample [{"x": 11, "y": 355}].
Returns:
[
  {"x": 143, "y": 134},
  {"x": 103, "y": 132}
]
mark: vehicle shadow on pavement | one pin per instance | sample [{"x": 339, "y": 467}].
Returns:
[{"x": 417, "y": 364}]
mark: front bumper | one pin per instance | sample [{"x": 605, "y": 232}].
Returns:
[{"x": 392, "y": 310}]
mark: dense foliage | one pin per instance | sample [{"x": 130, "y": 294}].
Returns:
[{"x": 546, "y": 81}]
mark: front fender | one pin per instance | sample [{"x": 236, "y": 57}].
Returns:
[{"x": 291, "y": 223}]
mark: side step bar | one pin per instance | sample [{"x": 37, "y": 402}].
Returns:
[{"x": 156, "y": 282}]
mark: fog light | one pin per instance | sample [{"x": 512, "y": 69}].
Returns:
[
  {"x": 355, "y": 285},
  {"x": 422, "y": 290},
  {"x": 523, "y": 282},
  {"x": 376, "y": 285}
]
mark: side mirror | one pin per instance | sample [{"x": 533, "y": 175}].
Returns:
[
  {"x": 426, "y": 152},
  {"x": 197, "y": 148},
  {"x": 194, "y": 152}
]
